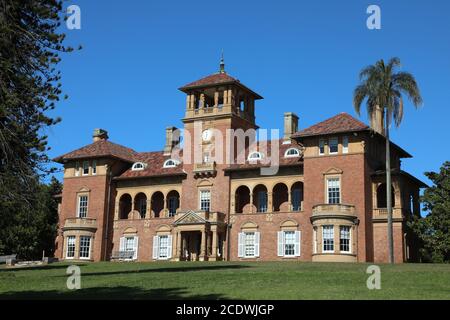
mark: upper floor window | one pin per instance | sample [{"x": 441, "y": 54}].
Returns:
[
  {"x": 321, "y": 147},
  {"x": 334, "y": 190},
  {"x": 138, "y": 166},
  {"x": 85, "y": 168},
  {"x": 94, "y": 167},
  {"x": 82, "y": 206},
  {"x": 262, "y": 201},
  {"x": 333, "y": 145},
  {"x": 292, "y": 152},
  {"x": 170, "y": 163},
  {"x": 345, "y": 144},
  {"x": 205, "y": 200},
  {"x": 253, "y": 156}
]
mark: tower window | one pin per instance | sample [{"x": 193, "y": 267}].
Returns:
[{"x": 333, "y": 144}]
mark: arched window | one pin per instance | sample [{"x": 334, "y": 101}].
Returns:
[
  {"x": 173, "y": 202},
  {"x": 140, "y": 203},
  {"x": 260, "y": 198},
  {"x": 124, "y": 206},
  {"x": 242, "y": 198},
  {"x": 291, "y": 153},
  {"x": 254, "y": 156},
  {"x": 138, "y": 166},
  {"x": 170, "y": 163},
  {"x": 381, "y": 196}
]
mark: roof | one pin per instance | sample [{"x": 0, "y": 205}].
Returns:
[
  {"x": 342, "y": 122},
  {"x": 100, "y": 148},
  {"x": 409, "y": 176},
  {"x": 154, "y": 168},
  {"x": 217, "y": 79},
  {"x": 282, "y": 160}
]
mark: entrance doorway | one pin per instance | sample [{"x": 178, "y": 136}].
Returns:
[{"x": 191, "y": 243}]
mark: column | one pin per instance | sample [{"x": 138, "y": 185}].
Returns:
[
  {"x": 116, "y": 210},
  {"x": 269, "y": 202},
  {"x": 216, "y": 99},
  {"x": 289, "y": 199},
  {"x": 148, "y": 211},
  {"x": 214, "y": 244},
  {"x": 251, "y": 201},
  {"x": 164, "y": 212},
  {"x": 178, "y": 252},
  {"x": 203, "y": 246}
]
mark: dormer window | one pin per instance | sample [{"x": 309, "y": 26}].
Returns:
[
  {"x": 137, "y": 166},
  {"x": 292, "y": 153},
  {"x": 254, "y": 156},
  {"x": 170, "y": 163}
]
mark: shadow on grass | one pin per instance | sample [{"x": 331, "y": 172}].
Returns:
[
  {"x": 41, "y": 267},
  {"x": 112, "y": 293},
  {"x": 182, "y": 268}
]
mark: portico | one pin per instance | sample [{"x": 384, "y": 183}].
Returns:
[{"x": 199, "y": 236}]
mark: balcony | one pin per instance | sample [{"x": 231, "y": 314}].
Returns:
[
  {"x": 206, "y": 169},
  {"x": 80, "y": 224},
  {"x": 381, "y": 213},
  {"x": 322, "y": 211}
]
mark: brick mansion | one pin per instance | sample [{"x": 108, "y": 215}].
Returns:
[{"x": 325, "y": 202}]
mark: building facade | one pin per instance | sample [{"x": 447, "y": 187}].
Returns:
[{"x": 316, "y": 194}]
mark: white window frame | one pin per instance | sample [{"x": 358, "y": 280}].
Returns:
[
  {"x": 349, "y": 239},
  {"x": 315, "y": 240},
  {"x": 201, "y": 199},
  {"x": 80, "y": 196},
  {"x": 74, "y": 246},
  {"x": 84, "y": 168},
  {"x": 321, "y": 147},
  {"x": 88, "y": 248},
  {"x": 345, "y": 144},
  {"x": 282, "y": 243},
  {"x": 170, "y": 163},
  {"x": 94, "y": 167},
  {"x": 296, "y": 155},
  {"x": 328, "y": 227},
  {"x": 138, "y": 166},
  {"x": 157, "y": 249},
  {"x": 328, "y": 180},
  {"x": 255, "y": 156},
  {"x": 244, "y": 243},
  {"x": 334, "y": 141}
]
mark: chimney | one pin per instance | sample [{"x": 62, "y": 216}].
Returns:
[
  {"x": 377, "y": 120},
  {"x": 290, "y": 125},
  {"x": 172, "y": 139},
  {"x": 100, "y": 134}
]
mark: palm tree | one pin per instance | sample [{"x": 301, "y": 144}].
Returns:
[{"x": 383, "y": 88}]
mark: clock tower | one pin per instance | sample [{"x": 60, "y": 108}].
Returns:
[{"x": 214, "y": 105}]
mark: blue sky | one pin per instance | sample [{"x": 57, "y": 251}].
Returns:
[{"x": 301, "y": 56}]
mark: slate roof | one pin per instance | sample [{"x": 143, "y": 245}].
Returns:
[
  {"x": 101, "y": 148},
  {"x": 342, "y": 122}
]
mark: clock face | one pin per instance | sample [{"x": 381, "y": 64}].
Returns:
[{"x": 207, "y": 135}]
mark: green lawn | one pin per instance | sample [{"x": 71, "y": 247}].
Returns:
[{"x": 227, "y": 280}]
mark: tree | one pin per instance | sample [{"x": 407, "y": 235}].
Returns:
[
  {"x": 434, "y": 229},
  {"x": 382, "y": 87},
  {"x": 30, "y": 48}
]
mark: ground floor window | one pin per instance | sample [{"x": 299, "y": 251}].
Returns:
[
  {"x": 344, "y": 239},
  {"x": 162, "y": 247},
  {"x": 248, "y": 244},
  {"x": 85, "y": 247},
  {"x": 289, "y": 243},
  {"x": 70, "y": 250},
  {"x": 328, "y": 238}
]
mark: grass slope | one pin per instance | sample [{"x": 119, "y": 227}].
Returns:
[{"x": 227, "y": 280}]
